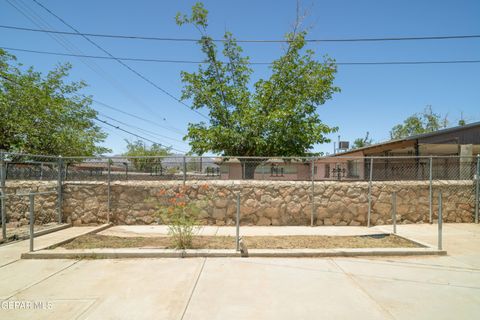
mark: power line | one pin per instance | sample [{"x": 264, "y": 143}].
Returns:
[
  {"x": 136, "y": 135},
  {"x": 110, "y": 58},
  {"x": 252, "y": 63},
  {"x": 172, "y": 129},
  {"x": 132, "y": 37},
  {"x": 36, "y": 19},
  {"x": 147, "y": 132},
  {"x": 140, "y": 75},
  {"x": 105, "y": 122}
]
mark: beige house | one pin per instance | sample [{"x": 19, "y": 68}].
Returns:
[
  {"x": 265, "y": 169},
  {"x": 406, "y": 158}
]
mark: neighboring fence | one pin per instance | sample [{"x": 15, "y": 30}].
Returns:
[
  {"x": 179, "y": 167},
  {"x": 329, "y": 189}
]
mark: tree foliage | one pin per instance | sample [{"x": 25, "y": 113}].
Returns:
[
  {"x": 418, "y": 123},
  {"x": 362, "y": 142},
  {"x": 273, "y": 117},
  {"x": 146, "y": 161},
  {"x": 44, "y": 114}
]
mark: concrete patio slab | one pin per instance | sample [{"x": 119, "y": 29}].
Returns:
[
  {"x": 409, "y": 293},
  {"x": 111, "y": 289},
  {"x": 420, "y": 287},
  {"x": 266, "y": 289},
  {"x": 11, "y": 252},
  {"x": 18, "y": 276}
]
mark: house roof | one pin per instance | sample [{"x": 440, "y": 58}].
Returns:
[{"x": 411, "y": 138}]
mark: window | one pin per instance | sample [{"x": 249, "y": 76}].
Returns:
[
  {"x": 276, "y": 171},
  {"x": 327, "y": 170},
  {"x": 352, "y": 167}
]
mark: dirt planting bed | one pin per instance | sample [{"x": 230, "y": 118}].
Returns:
[{"x": 93, "y": 241}]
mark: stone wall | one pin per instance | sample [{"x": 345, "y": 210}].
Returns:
[
  {"x": 18, "y": 207},
  {"x": 262, "y": 202}
]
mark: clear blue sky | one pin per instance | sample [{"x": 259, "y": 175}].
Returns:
[{"x": 373, "y": 98}]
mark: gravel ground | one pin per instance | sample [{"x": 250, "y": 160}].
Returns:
[{"x": 256, "y": 242}]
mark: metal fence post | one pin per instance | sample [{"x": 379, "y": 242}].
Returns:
[
  {"x": 313, "y": 192},
  {"x": 440, "y": 221},
  {"x": 370, "y": 193},
  {"x": 263, "y": 170},
  {"x": 4, "y": 215},
  {"x": 109, "y": 197},
  {"x": 237, "y": 224},
  {"x": 477, "y": 191},
  {"x": 184, "y": 170},
  {"x": 394, "y": 211},
  {"x": 2, "y": 193},
  {"x": 59, "y": 189},
  {"x": 31, "y": 198},
  {"x": 430, "y": 197}
]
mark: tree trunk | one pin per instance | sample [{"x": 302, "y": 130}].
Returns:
[{"x": 248, "y": 167}]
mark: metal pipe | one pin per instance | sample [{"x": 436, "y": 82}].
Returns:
[
  {"x": 249, "y": 157},
  {"x": 59, "y": 189},
  {"x": 430, "y": 197},
  {"x": 370, "y": 193},
  {"x": 2, "y": 191},
  {"x": 477, "y": 189},
  {"x": 237, "y": 224},
  {"x": 313, "y": 192},
  {"x": 31, "y": 197},
  {"x": 440, "y": 221},
  {"x": 109, "y": 198},
  {"x": 4, "y": 215},
  {"x": 184, "y": 170},
  {"x": 394, "y": 211},
  {"x": 263, "y": 170}
]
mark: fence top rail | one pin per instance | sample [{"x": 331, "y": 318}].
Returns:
[
  {"x": 262, "y": 158},
  {"x": 21, "y": 154},
  {"x": 332, "y": 157}
]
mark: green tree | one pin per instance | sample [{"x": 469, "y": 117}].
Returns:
[
  {"x": 274, "y": 117},
  {"x": 462, "y": 121},
  {"x": 418, "y": 123},
  {"x": 149, "y": 158},
  {"x": 45, "y": 114},
  {"x": 362, "y": 142}
]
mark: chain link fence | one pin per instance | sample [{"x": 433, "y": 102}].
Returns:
[
  {"x": 332, "y": 190},
  {"x": 30, "y": 195}
]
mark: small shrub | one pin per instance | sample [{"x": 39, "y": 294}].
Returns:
[{"x": 180, "y": 216}]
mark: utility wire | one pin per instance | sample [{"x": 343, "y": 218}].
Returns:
[
  {"x": 108, "y": 58},
  {"x": 107, "y": 123},
  {"x": 132, "y": 37},
  {"x": 145, "y": 131},
  {"x": 136, "y": 135},
  {"x": 36, "y": 19},
  {"x": 120, "y": 61},
  {"x": 252, "y": 63},
  {"x": 174, "y": 130}
]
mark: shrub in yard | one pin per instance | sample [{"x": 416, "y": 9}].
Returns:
[{"x": 180, "y": 216}]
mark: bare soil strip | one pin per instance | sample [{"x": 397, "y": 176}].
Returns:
[{"x": 92, "y": 241}]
